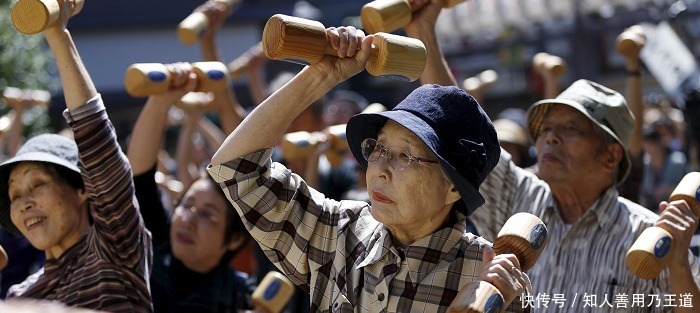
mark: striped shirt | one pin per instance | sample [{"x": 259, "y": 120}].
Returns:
[
  {"x": 341, "y": 255},
  {"x": 583, "y": 263},
  {"x": 108, "y": 268}
]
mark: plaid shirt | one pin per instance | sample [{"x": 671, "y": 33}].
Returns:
[
  {"x": 583, "y": 263},
  {"x": 341, "y": 255}
]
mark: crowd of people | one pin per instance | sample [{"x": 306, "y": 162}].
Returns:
[{"x": 389, "y": 210}]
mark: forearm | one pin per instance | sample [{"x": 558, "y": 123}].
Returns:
[
  {"x": 231, "y": 113},
  {"x": 265, "y": 125},
  {"x": 634, "y": 100},
  {"x": 78, "y": 88},
  {"x": 208, "y": 48},
  {"x": 683, "y": 283},
  {"x": 14, "y": 140},
  {"x": 211, "y": 133},
  {"x": 256, "y": 86},
  {"x": 551, "y": 86},
  {"x": 436, "y": 69},
  {"x": 184, "y": 149},
  {"x": 147, "y": 135}
]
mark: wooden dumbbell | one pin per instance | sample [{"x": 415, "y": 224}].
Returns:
[
  {"x": 6, "y": 122},
  {"x": 523, "y": 235},
  {"x": 631, "y": 41},
  {"x": 479, "y": 83},
  {"x": 37, "y": 97},
  {"x": 240, "y": 65},
  {"x": 648, "y": 256},
  {"x": 144, "y": 79},
  {"x": 546, "y": 63},
  {"x": 195, "y": 99},
  {"x": 389, "y": 15},
  {"x": 273, "y": 293},
  {"x": 299, "y": 145},
  {"x": 197, "y": 23},
  {"x": 304, "y": 41},
  {"x": 34, "y": 16}
]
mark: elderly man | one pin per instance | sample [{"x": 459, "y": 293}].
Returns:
[{"x": 581, "y": 139}]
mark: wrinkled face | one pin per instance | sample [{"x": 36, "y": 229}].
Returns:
[
  {"x": 568, "y": 149},
  {"x": 412, "y": 198},
  {"x": 45, "y": 208},
  {"x": 198, "y": 225}
]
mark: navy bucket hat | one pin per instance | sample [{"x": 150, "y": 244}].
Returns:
[
  {"x": 452, "y": 124},
  {"x": 47, "y": 148}
]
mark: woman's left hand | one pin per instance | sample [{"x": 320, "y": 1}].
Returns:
[{"x": 353, "y": 52}]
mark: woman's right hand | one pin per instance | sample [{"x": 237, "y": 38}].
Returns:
[
  {"x": 503, "y": 272},
  {"x": 353, "y": 53}
]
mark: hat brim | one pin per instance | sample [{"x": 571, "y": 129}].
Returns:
[
  {"x": 363, "y": 126},
  {"x": 539, "y": 110},
  {"x": 6, "y": 168}
]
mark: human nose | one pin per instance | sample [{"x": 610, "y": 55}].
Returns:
[{"x": 551, "y": 136}]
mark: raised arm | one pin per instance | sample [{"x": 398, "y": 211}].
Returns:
[
  {"x": 230, "y": 110},
  {"x": 270, "y": 120},
  {"x": 119, "y": 229},
  {"x": 422, "y": 27}
]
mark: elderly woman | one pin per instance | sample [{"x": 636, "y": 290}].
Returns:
[
  {"x": 75, "y": 201},
  {"x": 409, "y": 249}
]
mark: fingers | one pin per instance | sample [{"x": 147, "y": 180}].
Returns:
[
  {"x": 503, "y": 272},
  {"x": 179, "y": 73},
  {"x": 488, "y": 255},
  {"x": 347, "y": 40}
]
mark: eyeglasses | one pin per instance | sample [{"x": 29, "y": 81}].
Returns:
[
  {"x": 398, "y": 158},
  {"x": 187, "y": 211}
]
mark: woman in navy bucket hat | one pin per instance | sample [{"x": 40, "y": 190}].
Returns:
[{"x": 409, "y": 247}]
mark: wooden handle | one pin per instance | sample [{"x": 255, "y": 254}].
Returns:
[
  {"x": 145, "y": 79},
  {"x": 524, "y": 235},
  {"x": 194, "y": 25},
  {"x": 3, "y": 258},
  {"x": 390, "y": 15},
  {"x": 240, "y": 65},
  {"x": 34, "y": 16},
  {"x": 631, "y": 41},
  {"x": 16, "y": 95},
  {"x": 273, "y": 293},
  {"x": 648, "y": 256},
  {"x": 304, "y": 41},
  {"x": 547, "y": 63}
]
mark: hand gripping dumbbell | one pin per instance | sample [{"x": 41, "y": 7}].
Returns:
[
  {"x": 304, "y": 41},
  {"x": 546, "y": 63},
  {"x": 390, "y": 15},
  {"x": 144, "y": 79},
  {"x": 34, "y": 16},
  {"x": 523, "y": 235},
  {"x": 240, "y": 65},
  {"x": 631, "y": 41},
  {"x": 37, "y": 97},
  {"x": 649, "y": 254},
  {"x": 197, "y": 23}
]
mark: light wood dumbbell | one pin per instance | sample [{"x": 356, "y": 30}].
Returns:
[
  {"x": 34, "y": 16},
  {"x": 304, "y": 41},
  {"x": 389, "y": 15},
  {"x": 477, "y": 85},
  {"x": 144, "y": 79},
  {"x": 299, "y": 145},
  {"x": 648, "y": 256},
  {"x": 631, "y": 41},
  {"x": 192, "y": 100},
  {"x": 546, "y": 63},
  {"x": 273, "y": 293},
  {"x": 197, "y": 23},
  {"x": 523, "y": 235},
  {"x": 240, "y": 65},
  {"x": 37, "y": 97}
]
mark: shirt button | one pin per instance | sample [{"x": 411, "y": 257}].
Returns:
[
  {"x": 335, "y": 306},
  {"x": 381, "y": 297}
]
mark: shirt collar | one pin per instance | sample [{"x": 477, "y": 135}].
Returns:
[
  {"x": 423, "y": 255},
  {"x": 605, "y": 208}
]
